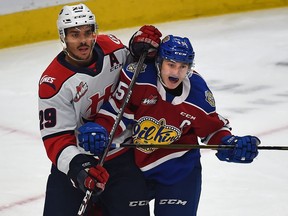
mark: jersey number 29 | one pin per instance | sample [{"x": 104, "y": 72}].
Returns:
[{"x": 47, "y": 118}]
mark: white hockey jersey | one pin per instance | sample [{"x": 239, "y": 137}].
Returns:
[{"x": 71, "y": 96}]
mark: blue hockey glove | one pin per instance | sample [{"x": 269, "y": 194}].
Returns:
[
  {"x": 93, "y": 138},
  {"x": 245, "y": 149}
]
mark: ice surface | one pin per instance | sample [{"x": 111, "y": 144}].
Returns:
[{"x": 243, "y": 57}]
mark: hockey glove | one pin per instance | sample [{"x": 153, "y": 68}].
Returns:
[
  {"x": 147, "y": 38},
  {"x": 93, "y": 138},
  {"x": 245, "y": 149},
  {"x": 86, "y": 174}
]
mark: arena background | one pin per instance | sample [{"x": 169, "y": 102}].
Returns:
[{"x": 28, "y": 21}]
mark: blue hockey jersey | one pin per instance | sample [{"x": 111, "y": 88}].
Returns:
[{"x": 162, "y": 118}]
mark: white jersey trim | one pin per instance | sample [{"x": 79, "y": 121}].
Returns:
[
  {"x": 114, "y": 106},
  {"x": 162, "y": 160},
  {"x": 65, "y": 158},
  {"x": 206, "y": 140}
]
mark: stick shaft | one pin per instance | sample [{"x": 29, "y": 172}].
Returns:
[
  {"x": 121, "y": 110},
  {"x": 126, "y": 99},
  {"x": 192, "y": 146},
  {"x": 84, "y": 203}
]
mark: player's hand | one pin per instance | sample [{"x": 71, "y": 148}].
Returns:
[
  {"x": 86, "y": 174},
  {"x": 245, "y": 149},
  {"x": 93, "y": 138},
  {"x": 147, "y": 38}
]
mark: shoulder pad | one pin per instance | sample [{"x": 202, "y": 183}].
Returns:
[
  {"x": 133, "y": 66},
  {"x": 201, "y": 94},
  {"x": 109, "y": 43},
  {"x": 53, "y": 78}
]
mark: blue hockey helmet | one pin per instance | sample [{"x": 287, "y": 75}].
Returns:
[{"x": 177, "y": 49}]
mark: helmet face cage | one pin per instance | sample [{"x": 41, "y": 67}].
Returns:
[
  {"x": 72, "y": 16},
  {"x": 176, "y": 49}
]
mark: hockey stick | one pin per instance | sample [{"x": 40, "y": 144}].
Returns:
[
  {"x": 114, "y": 127},
  {"x": 121, "y": 110},
  {"x": 191, "y": 146}
]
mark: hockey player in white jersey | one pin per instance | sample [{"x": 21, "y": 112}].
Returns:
[{"x": 71, "y": 91}]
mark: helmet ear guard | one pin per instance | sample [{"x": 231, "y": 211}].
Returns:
[{"x": 73, "y": 16}]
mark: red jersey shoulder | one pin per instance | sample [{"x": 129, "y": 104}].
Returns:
[
  {"x": 109, "y": 43},
  {"x": 53, "y": 78}
]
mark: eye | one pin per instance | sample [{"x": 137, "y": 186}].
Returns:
[
  {"x": 88, "y": 33},
  {"x": 171, "y": 64},
  {"x": 75, "y": 35}
]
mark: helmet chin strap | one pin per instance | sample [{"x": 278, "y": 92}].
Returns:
[
  {"x": 75, "y": 59},
  {"x": 157, "y": 64}
]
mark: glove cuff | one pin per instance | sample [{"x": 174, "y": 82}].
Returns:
[
  {"x": 130, "y": 47},
  {"x": 79, "y": 163}
]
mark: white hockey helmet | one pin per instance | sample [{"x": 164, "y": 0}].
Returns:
[{"x": 72, "y": 16}]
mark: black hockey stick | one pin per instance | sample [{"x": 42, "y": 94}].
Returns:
[
  {"x": 121, "y": 110},
  {"x": 126, "y": 98},
  {"x": 191, "y": 146}
]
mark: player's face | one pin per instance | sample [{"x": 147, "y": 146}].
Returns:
[
  {"x": 173, "y": 73},
  {"x": 80, "y": 41}
]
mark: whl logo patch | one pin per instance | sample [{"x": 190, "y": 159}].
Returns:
[{"x": 150, "y": 101}]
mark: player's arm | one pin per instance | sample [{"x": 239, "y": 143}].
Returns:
[
  {"x": 245, "y": 149},
  {"x": 215, "y": 130},
  {"x": 93, "y": 137},
  {"x": 57, "y": 125},
  {"x": 61, "y": 148}
]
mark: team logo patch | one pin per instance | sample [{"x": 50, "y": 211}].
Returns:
[
  {"x": 81, "y": 89},
  {"x": 132, "y": 67},
  {"x": 150, "y": 101},
  {"x": 149, "y": 130},
  {"x": 48, "y": 80},
  {"x": 209, "y": 98}
]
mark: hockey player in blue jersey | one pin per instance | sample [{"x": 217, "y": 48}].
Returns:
[{"x": 170, "y": 103}]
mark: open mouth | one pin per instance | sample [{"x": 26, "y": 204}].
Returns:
[{"x": 173, "y": 79}]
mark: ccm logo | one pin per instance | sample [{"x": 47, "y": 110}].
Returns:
[
  {"x": 172, "y": 202},
  {"x": 188, "y": 116},
  {"x": 138, "y": 203}
]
